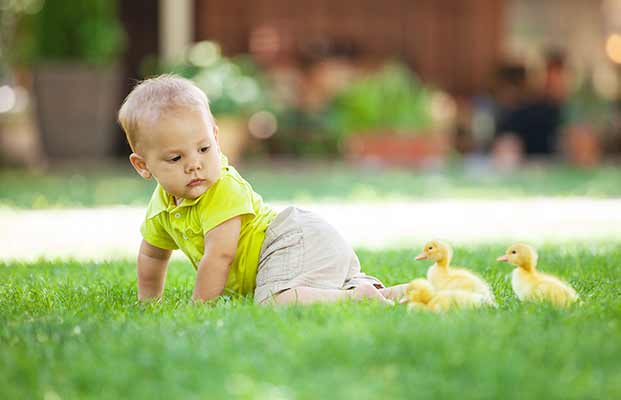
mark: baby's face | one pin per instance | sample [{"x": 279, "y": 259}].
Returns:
[{"x": 181, "y": 151}]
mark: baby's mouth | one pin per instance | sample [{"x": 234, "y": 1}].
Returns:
[{"x": 195, "y": 182}]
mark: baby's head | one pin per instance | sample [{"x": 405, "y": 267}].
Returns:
[{"x": 172, "y": 134}]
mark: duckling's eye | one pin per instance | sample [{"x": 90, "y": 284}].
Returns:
[
  {"x": 430, "y": 248},
  {"x": 514, "y": 252}
]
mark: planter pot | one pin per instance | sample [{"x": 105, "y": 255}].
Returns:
[
  {"x": 582, "y": 146},
  {"x": 232, "y": 136},
  {"x": 394, "y": 149},
  {"x": 76, "y": 106},
  {"x": 19, "y": 141}
]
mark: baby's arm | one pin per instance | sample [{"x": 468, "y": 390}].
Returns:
[
  {"x": 213, "y": 269},
  {"x": 151, "y": 268}
]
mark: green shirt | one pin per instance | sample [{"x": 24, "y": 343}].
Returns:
[{"x": 171, "y": 227}]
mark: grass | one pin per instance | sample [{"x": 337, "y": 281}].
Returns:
[
  {"x": 74, "y": 330},
  {"x": 117, "y": 184}
]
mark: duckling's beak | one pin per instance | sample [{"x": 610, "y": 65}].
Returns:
[
  {"x": 421, "y": 256},
  {"x": 503, "y": 258}
]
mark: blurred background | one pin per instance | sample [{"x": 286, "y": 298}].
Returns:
[
  {"x": 415, "y": 84},
  {"x": 397, "y": 120}
]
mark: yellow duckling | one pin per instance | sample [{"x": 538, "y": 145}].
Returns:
[
  {"x": 532, "y": 285},
  {"x": 421, "y": 295},
  {"x": 443, "y": 277}
]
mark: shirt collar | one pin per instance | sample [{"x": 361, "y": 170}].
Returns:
[{"x": 163, "y": 201}]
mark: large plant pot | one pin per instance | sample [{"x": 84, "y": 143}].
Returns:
[
  {"x": 582, "y": 146},
  {"x": 76, "y": 108},
  {"x": 19, "y": 141},
  {"x": 395, "y": 149}
]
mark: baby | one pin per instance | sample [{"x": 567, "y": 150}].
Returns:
[{"x": 201, "y": 205}]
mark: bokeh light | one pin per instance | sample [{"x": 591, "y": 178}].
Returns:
[
  {"x": 613, "y": 47},
  {"x": 204, "y": 54},
  {"x": 7, "y": 98},
  {"x": 443, "y": 108},
  {"x": 210, "y": 84},
  {"x": 244, "y": 90},
  {"x": 605, "y": 81},
  {"x": 262, "y": 124}
]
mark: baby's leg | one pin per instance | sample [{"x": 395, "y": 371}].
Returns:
[
  {"x": 396, "y": 292},
  {"x": 308, "y": 295}
]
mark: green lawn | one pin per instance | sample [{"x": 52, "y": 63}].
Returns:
[
  {"x": 118, "y": 184},
  {"x": 74, "y": 330}
]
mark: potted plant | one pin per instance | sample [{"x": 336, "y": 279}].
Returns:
[
  {"x": 19, "y": 139},
  {"x": 74, "y": 48},
  {"x": 391, "y": 117}
]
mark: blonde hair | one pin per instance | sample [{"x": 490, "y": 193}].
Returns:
[{"x": 153, "y": 97}]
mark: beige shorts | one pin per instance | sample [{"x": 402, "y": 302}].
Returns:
[{"x": 301, "y": 249}]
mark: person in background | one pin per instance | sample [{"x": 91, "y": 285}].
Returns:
[{"x": 528, "y": 121}]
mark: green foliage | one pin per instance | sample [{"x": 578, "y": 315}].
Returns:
[
  {"x": 392, "y": 99},
  {"x": 302, "y": 133},
  {"x": 10, "y": 14},
  {"x": 86, "y": 31},
  {"x": 72, "y": 329},
  {"x": 234, "y": 85},
  {"x": 586, "y": 106}
]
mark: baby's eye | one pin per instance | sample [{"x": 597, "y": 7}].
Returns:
[
  {"x": 175, "y": 159},
  {"x": 204, "y": 149}
]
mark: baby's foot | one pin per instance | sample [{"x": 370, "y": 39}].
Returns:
[
  {"x": 368, "y": 291},
  {"x": 396, "y": 293}
]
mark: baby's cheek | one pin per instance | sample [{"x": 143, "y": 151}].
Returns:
[{"x": 214, "y": 176}]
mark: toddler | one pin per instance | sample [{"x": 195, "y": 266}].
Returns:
[{"x": 201, "y": 205}]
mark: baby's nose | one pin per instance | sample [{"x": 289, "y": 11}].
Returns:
[{"x": 194, "y": 166}]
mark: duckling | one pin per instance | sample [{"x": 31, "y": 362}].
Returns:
[
  {"x": 443, "y": 277},
  {"x": 422, "y": 295},
  {"x": 532, "y": 285}
]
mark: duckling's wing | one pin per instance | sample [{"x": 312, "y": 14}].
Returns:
[
  {"x": 560, "y": 284},
  {"x": 468, "y": 299},
  {"x": 554, "y": 291},
  {"x": 466, "y": 273},
  {"x": 471, "y": 281}
]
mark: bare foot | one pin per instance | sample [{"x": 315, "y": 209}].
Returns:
[
  {"x": 396, "y": 293},
  {"x": 368, "y": 291}
]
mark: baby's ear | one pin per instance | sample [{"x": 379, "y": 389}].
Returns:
[
  {"x": 215, "y": 132},
  {"x": 215, "y": 135},
  {"x": 140, "y": 165}
]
